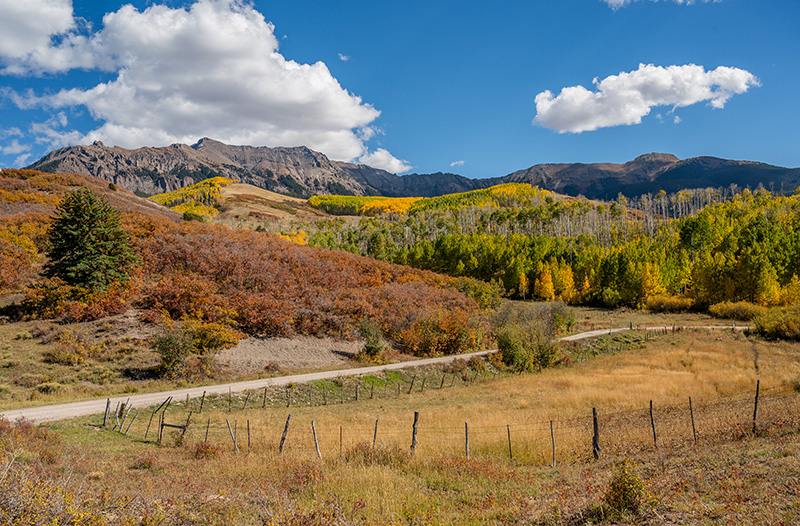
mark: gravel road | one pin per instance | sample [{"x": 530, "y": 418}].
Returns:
[{"x": 92, "y": 407}]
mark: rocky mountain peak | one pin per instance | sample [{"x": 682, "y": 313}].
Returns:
[{"x": 300, "y": 171}]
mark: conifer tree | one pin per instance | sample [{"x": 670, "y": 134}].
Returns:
[{"x": 86, "y": 244}]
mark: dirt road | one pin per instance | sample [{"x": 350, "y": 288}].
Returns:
[{"x": 93, "y": 407}]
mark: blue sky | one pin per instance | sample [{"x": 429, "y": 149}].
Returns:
[{"x": 462, "y": 86}]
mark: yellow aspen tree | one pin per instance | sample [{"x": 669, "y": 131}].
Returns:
[
  {"x": 651, "y": 282},
  {"x": 790, "y": 294},
  {"x": 543, "y": 287},
  {"x": 768, "y": 291}
]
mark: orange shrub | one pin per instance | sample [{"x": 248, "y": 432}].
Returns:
[
  {"x": 441, "y": 332},
  {"x": 52, "y": 298},
  {"x": 182, "y": 295},
  {"x": 276, "y": 288}
]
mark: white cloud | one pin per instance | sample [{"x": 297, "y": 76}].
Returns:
[
  {"x": 677, "y": 120},
  {"x": 343, "y": 58},
  {"x": 10, "y": 132},
  {"x": 616, "y": 4},
  {"x": 457, "y": 163},
  {"x": 629, "y": 96},
  {"x": 15, "y": 148},
  {"x": 384, "y": 160},
  {"x": 28, "y": 26},
  {"x": 212, "y": 69},
  {"x": 52, "y": 132},
  {"x": 22, "y": 160}
]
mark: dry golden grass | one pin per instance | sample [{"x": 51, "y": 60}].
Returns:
[{"x": 439, "y": 486}]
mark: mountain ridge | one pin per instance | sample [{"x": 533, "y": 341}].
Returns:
[{"x": 300, "y": 171}]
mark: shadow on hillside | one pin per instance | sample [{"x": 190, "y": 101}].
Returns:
[{"x": 141, "y": 373}]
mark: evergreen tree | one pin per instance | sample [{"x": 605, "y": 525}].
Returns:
[{"x": 86, "y": 244}]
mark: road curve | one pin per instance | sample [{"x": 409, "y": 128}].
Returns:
[{"x": 92, "y": 407}]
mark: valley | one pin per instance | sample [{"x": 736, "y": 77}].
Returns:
[{"x": 257, "y": 306}]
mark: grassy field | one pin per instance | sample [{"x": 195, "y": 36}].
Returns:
[
  {"x": 731, "y": 475},
  {"x": 122, "y": 362}
]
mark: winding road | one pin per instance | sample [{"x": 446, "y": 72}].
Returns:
[{"x": 52, "y": 413}]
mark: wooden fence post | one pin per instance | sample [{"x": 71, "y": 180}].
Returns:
[
  {"x": 264, "y": 403},
  {"x": 248, "y": 435},
  {"x": 653, "y": 425},
  {"x": 553, "y": 441},
  {"x": 186, "y": 425},
  {"x": 466, "y": 435},
  {"x": 691, "y": 413},
  {"x": 375, "y": 435},
  {"x": 208, "y": 425},
  {"x": 154, "y": 414},
  {"x": 108, "y": 411},
  {"x": 230, "y": 399},
  {"x": 288, "y": 396},
  {"x": 340, "y": 440},
  {"x": 285, "y": 431},
  {"x": 247, "y": 399},
  {"x": 132, "y": 421},
  {"x": 316, "y": 443},
  {"x": 125, "y": 417},
  {"x": 755, "y": 407},
  {"x": 414, "y": 433},
  {"x": 444, "y": 375},
  {"x": 510, "y": 453},
  {"x": 117, "y": 411},
  {"x": 233, "y": 437},
  {"x": 422, "y": 387},
  {"x": 413, "y": 379},
  {"x": 596, "y": 435},
  {"x": 202, "y": 401}
]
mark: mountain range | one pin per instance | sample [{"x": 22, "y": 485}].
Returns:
[{"x": 302, "y": 172}]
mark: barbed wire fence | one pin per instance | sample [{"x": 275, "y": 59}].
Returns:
[{"x": 262, "y": 422}]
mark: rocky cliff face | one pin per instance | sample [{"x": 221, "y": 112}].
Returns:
[
  {"x": 294, "y": 171},
  {"x": 302, "y": 172}
]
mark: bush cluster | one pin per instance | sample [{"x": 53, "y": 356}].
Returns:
[
  {"x": 667, "y": 303},
  {"x": 740, "y": 310},
  {"x": 627, "y": 491},
  {"x": 440, "y": 332},
  {"x": 526, "y": 333},
  {"x": 779, "y": 323},
  {"x": 188, "y": 348},
  {"x": 374, "y": 343},
  {"x": 73, "y": 347},
  {"x": 53, "y": 298}
]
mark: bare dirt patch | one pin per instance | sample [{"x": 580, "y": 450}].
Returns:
[{"x": 253, "y": 355}]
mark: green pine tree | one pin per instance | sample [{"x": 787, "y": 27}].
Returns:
[{"x": 86, "y": 244}]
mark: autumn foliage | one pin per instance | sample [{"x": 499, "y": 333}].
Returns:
[
  {"x": 213, "y": 278},
  {"x": 265, "y": 285}
]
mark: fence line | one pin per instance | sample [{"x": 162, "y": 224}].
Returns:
[{"x": 619, "y": 433}]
